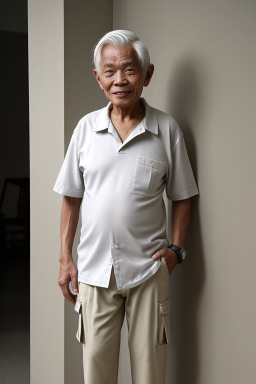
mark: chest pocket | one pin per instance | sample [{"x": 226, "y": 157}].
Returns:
[{"x": 149, "y": 176}]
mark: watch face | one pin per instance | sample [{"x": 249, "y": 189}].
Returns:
[{"x": 183, "y": 253}]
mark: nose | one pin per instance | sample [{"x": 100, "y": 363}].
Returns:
[{"x": 120, "y": 78}]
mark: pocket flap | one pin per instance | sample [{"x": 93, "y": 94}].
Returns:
[
  {"x": 78, "y": 306},
  {"x": 80, "y": 330},
  {"x": 165, "y": 307},
  {"x": 151, "y": 162}
]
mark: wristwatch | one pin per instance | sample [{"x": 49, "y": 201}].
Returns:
[{"x": 181, "y": 253}]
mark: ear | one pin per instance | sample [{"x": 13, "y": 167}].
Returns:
[
  {"x": 149, "y": 75},
  {"x": 97, "y": 76}
]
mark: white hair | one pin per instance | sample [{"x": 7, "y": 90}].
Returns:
[{"x": 121, "y": 37}]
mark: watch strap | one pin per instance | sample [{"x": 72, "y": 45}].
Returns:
[{"x": 177, "y": 250}]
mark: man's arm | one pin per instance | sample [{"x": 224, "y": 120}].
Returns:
[
  {"x": 180, "y": 220},
  {"x": 68, "y": 225}
]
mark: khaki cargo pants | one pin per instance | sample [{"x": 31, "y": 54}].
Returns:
[{"x": 101, "y": 314}]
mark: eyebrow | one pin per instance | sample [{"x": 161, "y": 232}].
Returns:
[{"x": 124, "y": 65}]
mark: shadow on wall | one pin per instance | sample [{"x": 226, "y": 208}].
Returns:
[{"x": 185, "y": 103}]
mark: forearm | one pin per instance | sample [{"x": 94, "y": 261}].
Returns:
[
  {"x": 180, "y": 221},
  {"x": 68, "y": 225}
]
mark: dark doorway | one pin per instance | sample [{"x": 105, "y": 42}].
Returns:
[{"x": 14, "y": 196}]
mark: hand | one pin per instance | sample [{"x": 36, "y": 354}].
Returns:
[
  {"x": 170, "y": 257},
  {"x": 68, "y": 271}
]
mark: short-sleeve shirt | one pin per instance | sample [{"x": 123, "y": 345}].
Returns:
[{"x": 123, "y": 213}]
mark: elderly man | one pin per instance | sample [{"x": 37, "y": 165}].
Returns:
[{"x": 118, "y": 163}]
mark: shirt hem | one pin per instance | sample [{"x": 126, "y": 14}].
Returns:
[
  {"x": 105, "y": 284},
  {"x": 185, "y": 194},
  {"x": 68, "y": 192},
  {"x": 139, "y": 281},
  {"x": 98, "y": 283}
]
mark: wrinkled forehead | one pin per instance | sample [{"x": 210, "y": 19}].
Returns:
[{"x": 124, "y": 54}]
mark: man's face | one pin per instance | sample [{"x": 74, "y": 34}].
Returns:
[{"x": 121, "y": 76}]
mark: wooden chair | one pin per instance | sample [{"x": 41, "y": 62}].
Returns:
[{"x": 15, "y": 230}]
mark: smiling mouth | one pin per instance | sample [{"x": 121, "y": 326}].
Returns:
[{"x": 122, "y": 93}]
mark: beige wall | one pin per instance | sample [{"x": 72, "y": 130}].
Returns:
[
  {"x": 46, "y": 104},
  {"x": 205, "y": 60}
]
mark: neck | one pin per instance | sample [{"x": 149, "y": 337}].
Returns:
[{"x": 124, "y": 114}]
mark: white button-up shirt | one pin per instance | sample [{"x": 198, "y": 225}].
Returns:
[{"x": 123, "y": 212}]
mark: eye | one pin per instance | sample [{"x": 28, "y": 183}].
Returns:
[
  {"x": 108, "y": 72},
  {"x": 130, "y": 70}
]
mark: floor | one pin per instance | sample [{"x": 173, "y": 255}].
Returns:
[{"x": 14, "y": 318}]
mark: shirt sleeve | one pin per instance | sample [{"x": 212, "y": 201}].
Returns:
[
  {"x": 70, "y": 179},
  {"x": 180, "y": 182}
]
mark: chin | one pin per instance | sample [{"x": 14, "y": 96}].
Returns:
[{"x": 122, "y": 102}]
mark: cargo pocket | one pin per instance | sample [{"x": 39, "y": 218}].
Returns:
[
  {"x": 164, "y": 331},
  {"x": 80, "y": 330}
]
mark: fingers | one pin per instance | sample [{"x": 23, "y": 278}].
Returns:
[
  {"x": 68, "y": 272},
  {"x": 74, "y": 284},
  {"x": 67, "y": 294},
  {"x": 64, "y": 285},
  {"x": 159, "y": 253},
  {"x": 169, "y": 256}
]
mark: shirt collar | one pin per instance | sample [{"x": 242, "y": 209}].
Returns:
[{"x": 150, "y": 121}]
